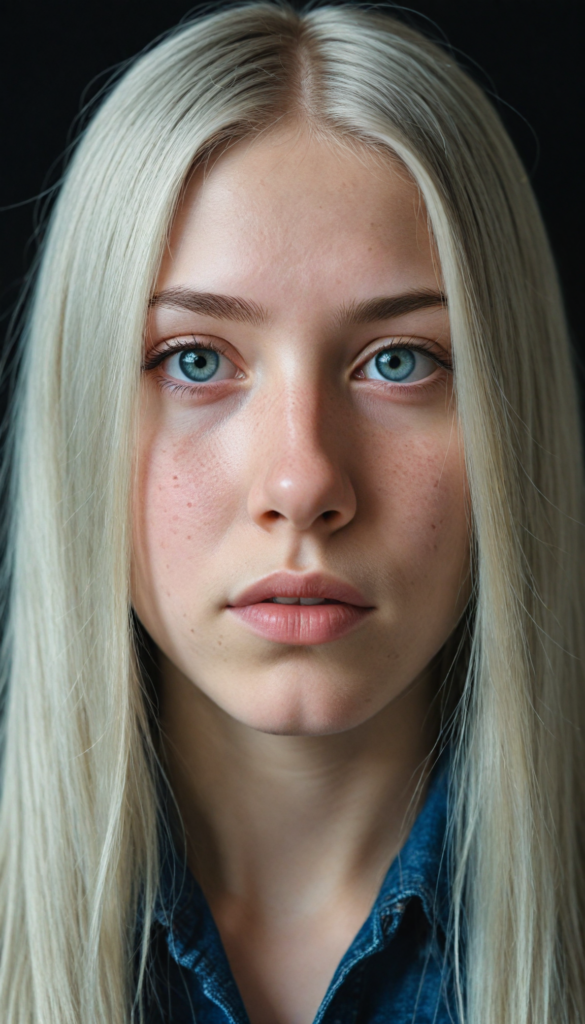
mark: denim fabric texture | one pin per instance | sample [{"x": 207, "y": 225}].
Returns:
[{"x": 394, "y": 971}]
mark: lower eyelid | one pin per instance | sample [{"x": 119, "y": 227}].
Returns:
[
  {"x": 390, "y": 389},
  {"x": 389, "y": 385},
  {"x": 180, "y": 388}
]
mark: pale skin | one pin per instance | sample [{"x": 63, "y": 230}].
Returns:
[{"x": 295, "y": 765}]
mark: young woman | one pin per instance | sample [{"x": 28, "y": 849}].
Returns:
[{"x": 295, "y": 661}]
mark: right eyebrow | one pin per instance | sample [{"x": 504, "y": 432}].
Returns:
[
  {"x": 220, "y": 307},
  {"x": 387, "y": 307}
]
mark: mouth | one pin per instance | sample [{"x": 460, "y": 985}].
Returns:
[
  {"x": 300, "y": 609},
  {"x": 300, "y": 600}
]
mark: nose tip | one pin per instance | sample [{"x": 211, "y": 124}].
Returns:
[{"x": 309, "y": 492}]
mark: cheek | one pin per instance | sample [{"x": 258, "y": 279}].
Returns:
[
  {"x": 430, "y": 483},
  {"x": 184, "y": 503},
  {"x": 421, "y": 503}
]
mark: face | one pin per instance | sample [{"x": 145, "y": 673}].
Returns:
[{"x": 300, "y": 525}]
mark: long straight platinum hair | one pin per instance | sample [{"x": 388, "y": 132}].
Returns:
[{"x": 78, "y": 817}]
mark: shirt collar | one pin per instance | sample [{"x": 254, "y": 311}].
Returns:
[{"x": 422, "y": 869}]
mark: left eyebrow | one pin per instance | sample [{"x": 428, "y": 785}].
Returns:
[
  {"x": 220, "y": 307},
  {"x": 388, "y": 307}
]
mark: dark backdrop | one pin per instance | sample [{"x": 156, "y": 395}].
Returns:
[{"x": 57, "y": 53}]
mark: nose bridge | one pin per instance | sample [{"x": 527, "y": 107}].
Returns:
[
  {"x": 300, "y": 473},
  {"x": 300, "y": 419}
]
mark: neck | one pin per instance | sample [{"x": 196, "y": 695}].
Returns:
[{"x": 292, "y": 822}]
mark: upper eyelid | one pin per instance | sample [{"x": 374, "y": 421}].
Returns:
[
  {"x": 164, "y": 350},
  {"x": 432, "y": 349},
  {"x": 187, "y": 341}
]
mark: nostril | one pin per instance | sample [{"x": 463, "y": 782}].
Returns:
[{"x": 305, "y": 497}]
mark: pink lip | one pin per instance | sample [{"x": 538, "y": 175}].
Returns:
[{"x": 300, "y": 624}]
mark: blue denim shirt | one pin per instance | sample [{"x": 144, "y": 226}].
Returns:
[{"x": 394, "y": 972}]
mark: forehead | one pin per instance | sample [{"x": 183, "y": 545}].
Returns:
[{"x": 292, "y": 211}]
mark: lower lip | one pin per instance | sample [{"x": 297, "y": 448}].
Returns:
[{"x": 301, "y": 623}]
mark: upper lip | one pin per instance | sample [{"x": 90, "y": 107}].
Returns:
[{"x": 290, "y": 584}]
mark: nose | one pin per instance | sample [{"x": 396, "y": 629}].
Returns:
[{"x": 300, "y": 473}]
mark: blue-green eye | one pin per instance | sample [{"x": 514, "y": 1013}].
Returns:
[
  {"x": 199, "y": 365},
  {"x": 399, "y": 365}
]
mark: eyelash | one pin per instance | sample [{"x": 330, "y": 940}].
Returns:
[
  {"x": 157, "y": 358},
  {"x": 399, "y": 342}
]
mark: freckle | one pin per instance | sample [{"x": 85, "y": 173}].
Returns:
[
  {"x": 433, "y": 527},
  {"x": 192, "y": 631},
  {"x": 175, "y": 478},
  {"x": 189, "y": 537}
]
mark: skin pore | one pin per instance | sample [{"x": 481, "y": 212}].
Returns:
[{"x": 323, "y": 443}]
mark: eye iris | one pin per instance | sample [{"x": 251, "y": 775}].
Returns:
[
  {"x": 395, "y": 364},
  {"x": 199, "y": 364}
]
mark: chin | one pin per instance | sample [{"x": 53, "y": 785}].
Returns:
[{"x": 304, "y": 717}]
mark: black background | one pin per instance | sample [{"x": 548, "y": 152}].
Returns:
[{"x": 56, "y": 54}]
